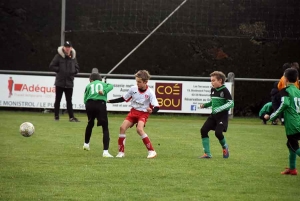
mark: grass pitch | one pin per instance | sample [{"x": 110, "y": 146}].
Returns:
[{"x": 51, "y": 164}]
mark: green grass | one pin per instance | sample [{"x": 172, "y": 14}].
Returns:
[{"x": 51, "y": 164}]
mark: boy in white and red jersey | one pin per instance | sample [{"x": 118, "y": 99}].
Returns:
[{"x": 143, "y": 103}]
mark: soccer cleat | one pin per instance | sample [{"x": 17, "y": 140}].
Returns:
[
  {"x": 205, "y": 156},
  {"x": 86, "y": 147},
  {"x": 56, "y": 118},
  {"x": 107, "y": 155},
  {"x": 120, "y": 155},
  {"x": 74, "y": 119},
  {"x": 151, "y": 154},
  {"x": 225, "y": 152},
  {"x": 290, "y": 172}
]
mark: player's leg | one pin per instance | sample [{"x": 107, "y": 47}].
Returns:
[
  {"x": 106, "y": 140},
  {"x": 222, "y": 125},
  {"x": 102, "y": 120},
  {"x": 293, "y": 146},
  {"x": 207, "y": 126},
  {"x": 122, "y": 137},
  {"x": 219, "y": 134},
  {"x": 90, "y": 111},
  {"x": 297, "y": 149},
  {"x": 58, "y": 95},
  {"x": 146, "y": 140}
]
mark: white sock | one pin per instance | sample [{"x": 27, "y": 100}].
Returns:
[
  {"x": 105, "y": 151},
  {"x": 144, "y": 135},
  {"x": 87, "y": 144}
]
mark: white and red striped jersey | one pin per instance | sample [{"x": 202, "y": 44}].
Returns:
[{"x": 141, "y": 100}]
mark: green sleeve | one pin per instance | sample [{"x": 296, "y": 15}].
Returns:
[
  {"x": 85, "y": 95},
  {"x": 108, "y": 88},
  {"x": 229, "y": 104},
  {"x": 284, "y": 104},
  {"x": 207, "y": 104}
]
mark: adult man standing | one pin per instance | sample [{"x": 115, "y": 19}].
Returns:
[{"x": 65, "y": 65}]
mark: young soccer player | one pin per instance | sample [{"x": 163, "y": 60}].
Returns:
[
  {"x": 264, "y": 113},
  {"x": 95, "y": 98},
  {"x": 143, "y": 103},
  {"x": 290, "y": 106},
  {"x": 221, "y": 102}
]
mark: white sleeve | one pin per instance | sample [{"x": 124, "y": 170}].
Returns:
[
  {"x": 128, "y": 95},
  {"x": 153, "y": 99}
]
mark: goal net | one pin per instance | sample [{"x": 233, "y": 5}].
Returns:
[{"x": 275, "y": 19}]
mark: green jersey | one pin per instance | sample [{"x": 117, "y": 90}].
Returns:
[
  {"x": 92, "y": 89},
  {"x": 266, "y": 109},
  {"x": 290, "y": 106},
  {"x": 221, "y": 100}
]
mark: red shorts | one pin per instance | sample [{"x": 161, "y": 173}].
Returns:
[{"x": 135, "y": 116}]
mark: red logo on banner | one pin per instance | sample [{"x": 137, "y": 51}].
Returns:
[
  {"x": 169, "y": 95},
  {"x": 18, "y": 87},
  {"x": 28, "y": 88},
  {"x": 10, "y": 86}
]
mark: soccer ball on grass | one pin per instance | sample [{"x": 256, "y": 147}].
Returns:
[{"x": 26, "y": 129}]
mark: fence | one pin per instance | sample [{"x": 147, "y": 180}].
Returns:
[{"x": 176, "y": 94}]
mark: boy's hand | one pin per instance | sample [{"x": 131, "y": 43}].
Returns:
[
  {"x": 201, "y": 105},
  {"x": 267, "y": 117},
  {"x": 149, "y": 110},
  {"x": 101, "y": 92}
]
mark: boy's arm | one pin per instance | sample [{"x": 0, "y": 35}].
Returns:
[
  {"x": 229, "y": 103},
  {"x": 205, "y": 105},
  {"x": 285, "y": 101},
  {"x": 85, "y": 96},
  {"x": 117, "y": 100},
  {"x": 108, "y": 88},
  {"x": 154, "y": 103},
  {"x": 126, "y": 97},
  {"x": 209, "y": 104}
]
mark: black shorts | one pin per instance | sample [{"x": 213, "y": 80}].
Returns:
[
  {"x": 219, "y": 119},
  {"x": 293, "y": 141},
  {"x": 96, "y": 109}
]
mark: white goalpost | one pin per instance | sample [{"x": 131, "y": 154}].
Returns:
[{"x": 154, "y": 30}]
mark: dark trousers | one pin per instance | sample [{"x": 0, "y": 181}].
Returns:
[
  {"x": 58, "y": 95},
  {"x": 96, "y": 109},
  {"x": 217, "y": 122},
  {"x": 292, "y": 142}
]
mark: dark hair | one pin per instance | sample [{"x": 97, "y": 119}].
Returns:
[
  {"x": 295, "y": 65},
  {"x": 291, "y": 74},
  {"x": 95, "y": 76},
  {"x": 286, "y": 66}
]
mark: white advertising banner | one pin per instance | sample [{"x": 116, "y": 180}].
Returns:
[{"x": 39, "y": 92}]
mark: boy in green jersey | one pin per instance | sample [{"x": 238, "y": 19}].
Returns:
[
  {"x": 290, "y": 107},
  {"x": 221, "y": 102},
  {"x": 265, "y": 112},
  {"x": 95, "y": 97}
]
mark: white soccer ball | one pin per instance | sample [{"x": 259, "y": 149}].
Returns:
[{"x": 26, "y": 129}]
